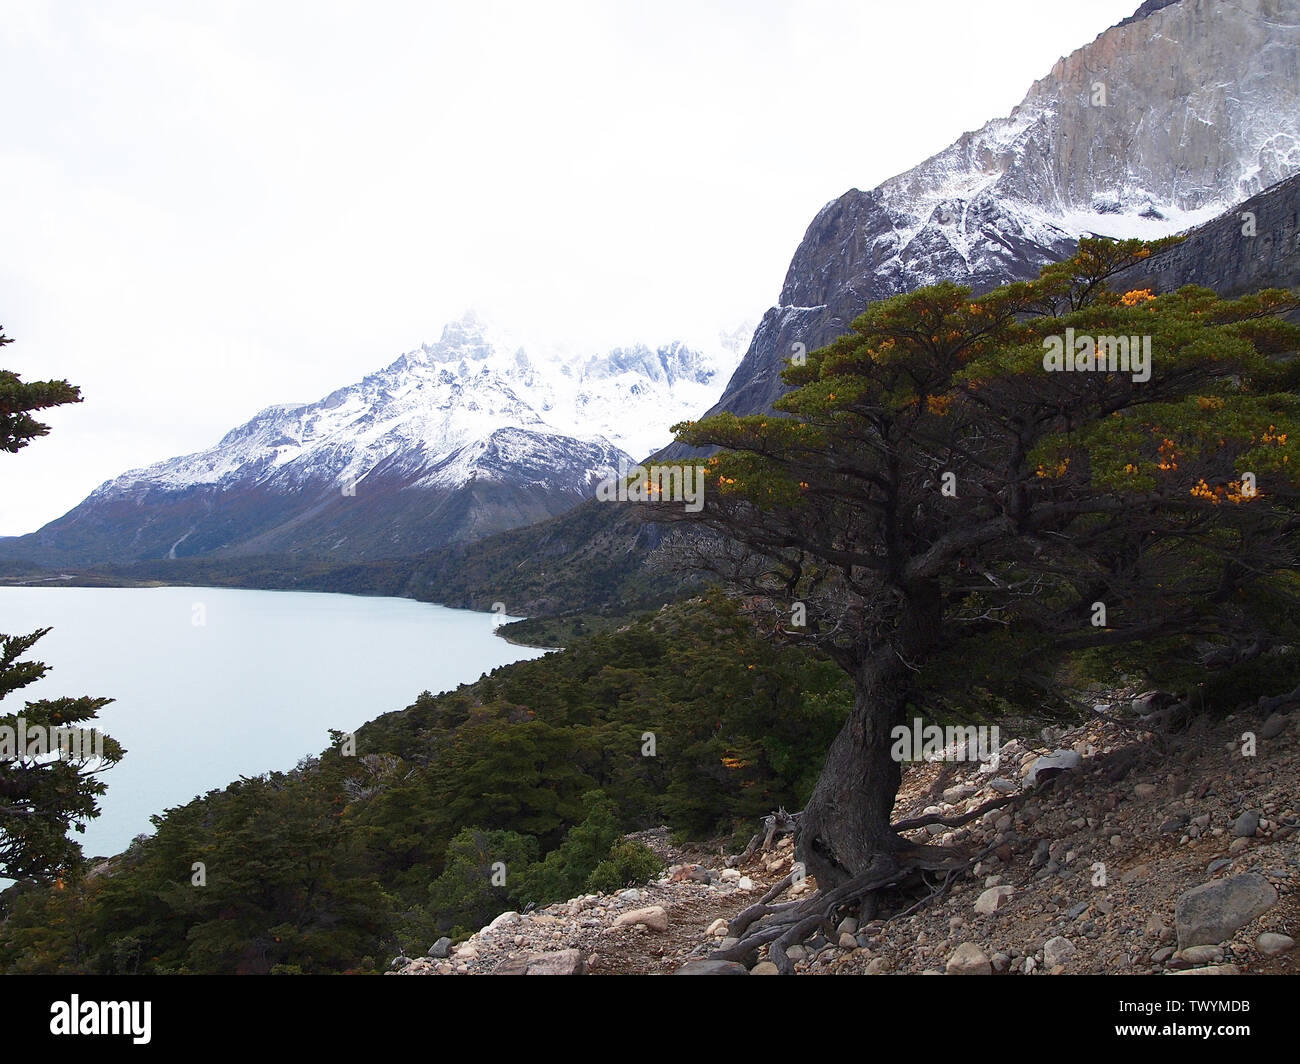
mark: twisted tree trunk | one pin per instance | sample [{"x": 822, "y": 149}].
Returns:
[
  {"x": 844, "y": 832},
  {"x": 845, "y": 824}
]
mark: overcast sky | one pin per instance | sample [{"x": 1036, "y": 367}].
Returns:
[{"x": 207, "y": 208}]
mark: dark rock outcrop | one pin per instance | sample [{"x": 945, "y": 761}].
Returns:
[{"x": 1253, "y": 246}]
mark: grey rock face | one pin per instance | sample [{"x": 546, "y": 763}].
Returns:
[{"x": 1148, "y": 8}]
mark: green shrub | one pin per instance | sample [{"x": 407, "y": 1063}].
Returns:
[
  {"x": 479, "y": 877},
  {"x": 563, "y": 871},
  {"x": 628, "y": 864}
]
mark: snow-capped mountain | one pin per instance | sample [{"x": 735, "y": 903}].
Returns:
[
  {"x": 474, "y": 434},
  {"x": 1163, "y": 122},
  {"x": 429, "y": 411}
]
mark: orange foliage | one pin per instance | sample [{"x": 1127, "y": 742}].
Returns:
[{"x": 1138, "y": 295}]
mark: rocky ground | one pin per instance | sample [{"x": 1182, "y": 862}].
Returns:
[{"x": 1126, "y": 852}]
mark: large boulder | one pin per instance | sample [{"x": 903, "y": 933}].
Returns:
[
  {"x": 654, "y": 917},
  {"x": 969, "y": 959},
  {"x": 1213, "y": 969},
  {"x": 1274, "y": 726},
  {"x": 1213, "y": 912},
  {"x": 993, "y": 899},
  {"x": 562, "y": 962},
  {"x": 1058, "y": 952},
  {"x": 1270, "y": 943},
  {"x": 1049, "y": 766}
]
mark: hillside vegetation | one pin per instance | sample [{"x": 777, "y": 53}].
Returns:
[{"x": 541, "y": 766}]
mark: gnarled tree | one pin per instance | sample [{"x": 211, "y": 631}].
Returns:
[{"x": 939, "y": 505}]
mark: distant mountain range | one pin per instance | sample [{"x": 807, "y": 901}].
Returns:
[{"x": 473, "y": 435}]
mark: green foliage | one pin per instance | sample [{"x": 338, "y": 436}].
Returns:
[
  {"x": 566, "y": 868},
  {"x": 1168, "y": 495},
  {"x": 18, "y": 399},
  {"x": 562, "y": 629},
  {"x": 478, "y": 877},
  {"x": 629, "y": 864},
  {"x": 40, "y": 798}
]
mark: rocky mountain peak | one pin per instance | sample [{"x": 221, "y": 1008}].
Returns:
[{"x": 1162, "y": 123}]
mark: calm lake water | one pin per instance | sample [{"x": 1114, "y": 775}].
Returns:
[{"x": 211, "y": 683}]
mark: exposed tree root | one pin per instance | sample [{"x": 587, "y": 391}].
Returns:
[
  {"x": 776, "y": 952},
  {"x": 781, "y": 925}
]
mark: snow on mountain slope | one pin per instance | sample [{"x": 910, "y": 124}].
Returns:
[
  {"x": 419, "y": 414},
  {"x": 1157, "y": 126},
  {"x": 1160, "y": 124}
]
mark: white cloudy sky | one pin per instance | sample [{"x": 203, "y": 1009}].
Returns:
[{"x": 209, "y": 207}]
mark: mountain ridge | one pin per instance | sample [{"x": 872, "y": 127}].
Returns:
[{"x": 472, "y": 435}]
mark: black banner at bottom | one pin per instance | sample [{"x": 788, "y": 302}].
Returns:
[{"x": 144, "y": 1014}]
